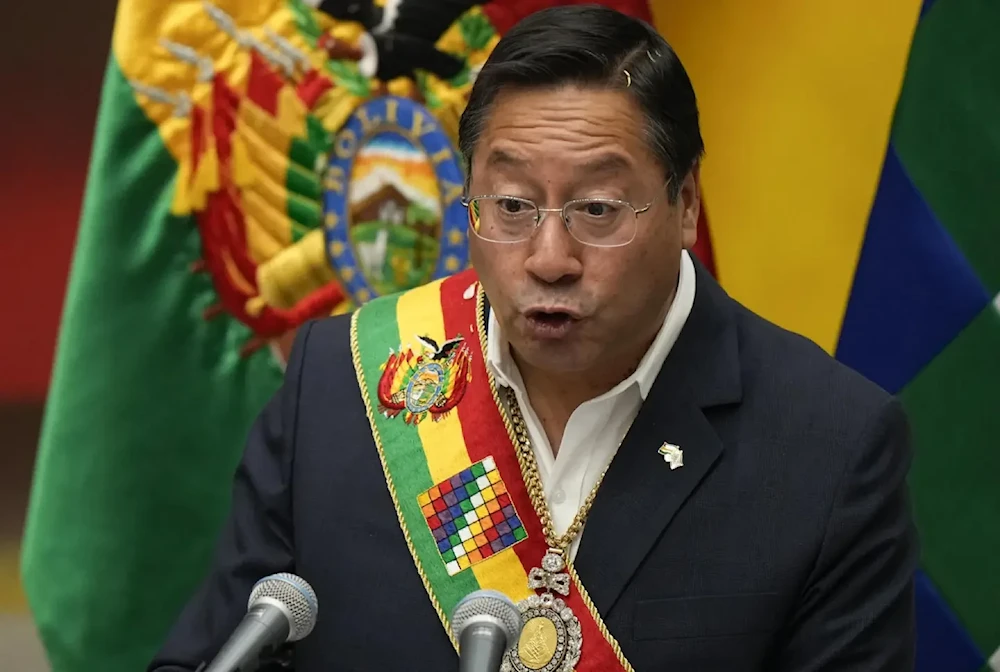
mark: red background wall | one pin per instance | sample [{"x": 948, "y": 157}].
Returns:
[{"x": 52, "y": 57}]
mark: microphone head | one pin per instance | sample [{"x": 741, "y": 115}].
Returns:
[
  {"x": 487, "y": 606},
  {"x": 294, "y": 595}
]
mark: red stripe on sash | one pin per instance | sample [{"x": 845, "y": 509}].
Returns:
[
  {"x": 482, "y": 426},
  {"x": 485, "y": 434}
]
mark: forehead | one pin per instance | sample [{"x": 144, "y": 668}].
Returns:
[{"x": 570, "y": 130}]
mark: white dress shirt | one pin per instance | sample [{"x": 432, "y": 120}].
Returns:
[{"x": 598, "y": 426}]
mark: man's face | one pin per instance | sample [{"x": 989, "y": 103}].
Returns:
[{"x": 563, "y": 305}]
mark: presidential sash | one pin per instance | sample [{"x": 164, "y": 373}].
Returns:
[{"x": 447, "y": 450}]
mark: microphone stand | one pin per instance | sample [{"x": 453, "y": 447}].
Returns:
[
  {"x": 274, "y": 660},
  {"x": 278, "y": 660}
]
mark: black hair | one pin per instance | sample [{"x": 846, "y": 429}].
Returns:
[{"x": 594, "y": 45}]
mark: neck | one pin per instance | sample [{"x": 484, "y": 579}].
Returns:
[
  {"x": 568, "y": 391},
  {"x": 554, "y": 396}
]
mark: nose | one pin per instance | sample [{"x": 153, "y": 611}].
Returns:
[{"x": 555, "y": 254}]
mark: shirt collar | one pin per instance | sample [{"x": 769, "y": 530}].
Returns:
[{"x": 505, "y": 371}]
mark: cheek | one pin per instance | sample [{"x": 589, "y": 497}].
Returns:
[
  {"x": 613, "y": 274},
  {"x": 484, "y": 259},
  {"x": 490, "y": 267},
  {"x": 633, "y": 275},
  {"x": 475, "y": 255},
  {"x": 642, "y": 273}
]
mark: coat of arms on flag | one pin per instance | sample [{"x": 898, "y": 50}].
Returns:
[{"x": 320, "y": 166}]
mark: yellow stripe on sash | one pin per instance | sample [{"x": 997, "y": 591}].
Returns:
[{"x": 419, "y": 314}]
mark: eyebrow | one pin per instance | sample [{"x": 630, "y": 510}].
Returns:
[
  {"x": 498, "y": 158},
  {"x": 605, "y": 163}
]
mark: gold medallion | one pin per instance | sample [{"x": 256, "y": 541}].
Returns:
[
  {"x": 551, "y": 639},
  {"x": 537, "y": 644}
]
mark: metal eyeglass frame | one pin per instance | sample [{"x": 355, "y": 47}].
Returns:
[{"x": 540, "y": 215}]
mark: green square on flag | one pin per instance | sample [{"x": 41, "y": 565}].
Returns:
[{"x": 954, "y": 409}]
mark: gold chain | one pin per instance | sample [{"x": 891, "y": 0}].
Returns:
[
  {"x": 533, "y": 480},
  {"x": 537, "y": 498}
]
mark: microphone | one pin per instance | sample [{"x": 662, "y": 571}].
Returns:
[
  {"x": 486, "y": 623},
  {"x": 282, "y": 608}
]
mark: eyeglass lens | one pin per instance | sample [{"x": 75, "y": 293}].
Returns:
[{"x": 592, "y": 221}]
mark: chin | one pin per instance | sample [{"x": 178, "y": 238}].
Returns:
[{"x": 552, "y": 356}]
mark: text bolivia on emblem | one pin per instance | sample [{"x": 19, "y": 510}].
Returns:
[{"x": 392, "y": 202}]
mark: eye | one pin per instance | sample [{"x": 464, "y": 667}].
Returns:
[
  {"x": 598, "y": 210},
  {"x": 510, "y": 206}
]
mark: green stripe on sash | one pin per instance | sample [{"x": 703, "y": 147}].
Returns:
[{"x": 403, "y": 453}]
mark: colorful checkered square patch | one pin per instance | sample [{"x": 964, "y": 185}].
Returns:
[{"x": 471, "y": 516}]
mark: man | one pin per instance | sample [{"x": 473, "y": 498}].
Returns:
[{"x": 695, "y": 488}]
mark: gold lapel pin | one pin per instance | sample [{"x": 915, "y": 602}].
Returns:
[{"x": 672, "y": 455}]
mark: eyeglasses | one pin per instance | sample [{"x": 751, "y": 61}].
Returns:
[{"x": 600, "y": 222}]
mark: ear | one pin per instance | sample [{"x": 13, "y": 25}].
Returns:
[{"x": 689, "y": 201}]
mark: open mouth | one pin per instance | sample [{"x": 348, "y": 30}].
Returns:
[
  {"x": 553, "y": 319},
  {"x": 551, "y": 323}
]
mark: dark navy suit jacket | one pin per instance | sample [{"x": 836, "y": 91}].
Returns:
[{"x": 785, "y": 542}]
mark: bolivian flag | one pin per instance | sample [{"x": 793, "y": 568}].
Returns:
[{"x": 853, "y": 190}]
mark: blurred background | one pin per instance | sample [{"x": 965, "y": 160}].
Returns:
[{"x": 52, "y": 61}]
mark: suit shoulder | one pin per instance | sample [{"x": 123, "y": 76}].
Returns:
[
  {"x": 330, "y": 337},
  {"x": 792, "y": 369},
  {"x": 331, "y": 332},
  {"x": 323, "y": 343}
]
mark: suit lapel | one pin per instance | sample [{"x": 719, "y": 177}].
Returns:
[{"x": 641, "y": 493}]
